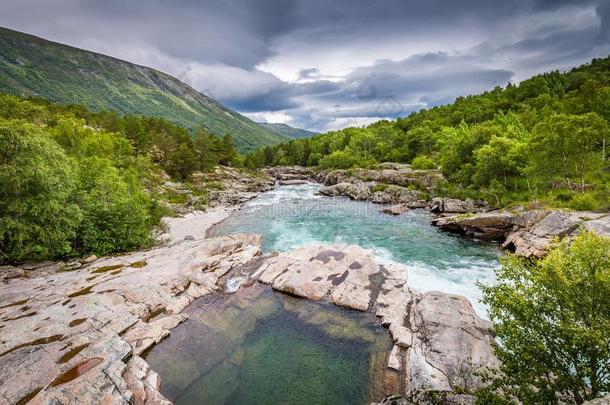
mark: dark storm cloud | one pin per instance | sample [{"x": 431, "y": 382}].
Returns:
[{"x": 433, "y": 50}]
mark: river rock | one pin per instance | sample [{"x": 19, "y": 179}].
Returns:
[
  {"x": 529, "y": 233},
  {"x": 74, "y": 337},
  {"x": 455, "y": 206},
  {"x": 8, "y": 272},
  {"x": 552, "y": 225},
  {"x": 400, "y": 175},
  {"x": 439, "y": 340},
  {"x": 395, "y": 209},
  {"x": 485, "y": 226},
  {"x": 290, "y": 173},
  {"x": 398, "y": 195},
  {"x": 291, "y": 182}
]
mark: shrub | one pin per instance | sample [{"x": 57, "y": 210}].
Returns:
[
  {"x": 552, "y": 319},
  {"x": 423, "y": 163},
  {"x": 38, "y": 214},
  {"x": 379, "y": 187},
  {"x": 338, "y": 160}
]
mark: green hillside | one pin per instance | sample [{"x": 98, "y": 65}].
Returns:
[
  {"x": 33, "y": 66},
  {"x": 287, "y": 130}
]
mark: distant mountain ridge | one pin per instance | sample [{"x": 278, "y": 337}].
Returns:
[
  {"x": 32, "y": 66},
  {"x": 287, "y": 130}
]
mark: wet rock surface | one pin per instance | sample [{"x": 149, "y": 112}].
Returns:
[{"x": 440, "y": 342}]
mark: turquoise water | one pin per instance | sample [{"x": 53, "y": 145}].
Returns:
[
  {"x": 262, "y": 347},
  {"x": 290, "y": 216}
]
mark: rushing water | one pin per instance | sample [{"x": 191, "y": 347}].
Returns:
[
  {"x": 290, "y": 216},
  {"x": 261, "y": 347}
]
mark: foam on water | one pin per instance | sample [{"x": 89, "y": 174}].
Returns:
[
  {"x": 285, "y": 193},
  {"x": 292, "y": 216}
]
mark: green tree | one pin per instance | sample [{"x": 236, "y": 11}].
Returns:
[
  {"x": 228, "y": 153},
  {"x": 116, "y": 209},
  {"x": 38, "y": 216},
  {"x": 568, "y": 147},
  {"x": 552, "y": 320},
  {"x": 183, "y": 162},
  {"x": 206, "y": 149}
]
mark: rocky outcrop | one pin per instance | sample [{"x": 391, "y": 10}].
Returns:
[
  {"x": 399, "y": 175},
  {"x": 367, "y": 191},
  {"x": 395, "y": 209},
  {"x": 221, "y": 187},
  {"x": 230, "y": 186},
  {"x": 599, "y": 401},
  {"x": 77, "y": 336},
  {"x": 356, "y": 191},
  {"x": 439, "y": 340},
  {"x": 288, "y": 174},
  {"x": 443, "y": 205},
  {"x": 529, "y": 233}
]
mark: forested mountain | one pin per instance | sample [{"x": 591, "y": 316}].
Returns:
[
  {"x": 287, "y": 130},
  {"x": 31, "y": 66},
  {"x": 542, "y": 140}
]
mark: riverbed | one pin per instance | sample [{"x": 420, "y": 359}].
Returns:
[{"x": 258, "y": 346}]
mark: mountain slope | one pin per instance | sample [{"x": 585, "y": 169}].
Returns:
[
  {"x": 287, "y": 130},
  {"x": 33, "y": 66}
]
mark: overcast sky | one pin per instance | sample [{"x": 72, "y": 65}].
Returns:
[{"x": 328, "y": 64}]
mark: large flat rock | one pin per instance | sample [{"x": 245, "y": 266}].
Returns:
[{"x": 76, "y": 337}]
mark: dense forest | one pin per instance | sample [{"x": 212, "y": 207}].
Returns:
[
  {"x": 77, "y": 182},
  {"x": 544, "y": 139}
]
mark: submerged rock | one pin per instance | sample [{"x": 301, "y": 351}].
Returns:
[{"x": 440, "y": 341}]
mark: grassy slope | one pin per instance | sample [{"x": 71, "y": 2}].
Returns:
[
  {"x": 287, "y": 130},
  {"x": 33, "y": 66}
]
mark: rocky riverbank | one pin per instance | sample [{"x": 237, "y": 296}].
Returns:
[
  {"x": 529, "y": 233},
  {"x": 393, "y": 184},
  {"x": 77, "y": 336}
]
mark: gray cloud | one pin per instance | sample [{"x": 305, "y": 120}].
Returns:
[{"x": 323, "y": 64}]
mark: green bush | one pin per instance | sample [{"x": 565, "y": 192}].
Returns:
[
  {"x": 552, "y": 321},
  {"x": 117, "y": 211},
  {"x": 423, "y": 163},
  {"x": 379, "y": 187},
  {"x": 585, "y": 202},
  {"x": 338, "y": 160},
  {"x": 39, "y": 216}
]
